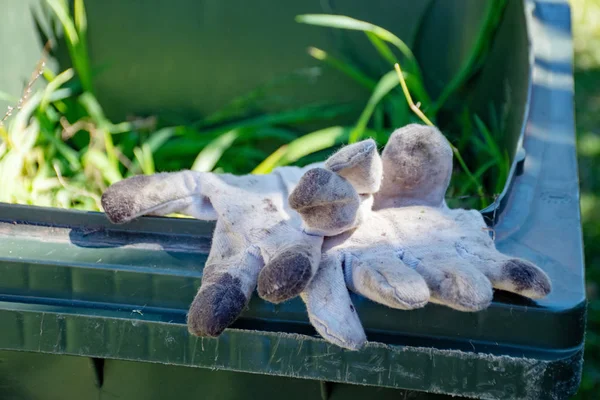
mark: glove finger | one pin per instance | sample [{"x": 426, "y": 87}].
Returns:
[
  {"x": 456, "y": 284},
  {"x": 385, "y": 279},
  {"x": 359, "y": 164},
  {"x": 330, "y": 308},
  {"x": 506, "y": 273},
  {"x": 511, "y": 274},
  {"x": 417, "y": 166},
  {"x": 327, "y": 203},
  {"x": 228, "y": 280},
  {"x": 521, "y": 277},
  {"x": 158, "y": 194},
  {"x": 289, "y": 271}
]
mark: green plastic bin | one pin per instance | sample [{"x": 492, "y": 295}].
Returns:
[{"x": 93, "y": 310}]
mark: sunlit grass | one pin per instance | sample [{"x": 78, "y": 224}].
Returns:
[{"x": 64, "y": 152}]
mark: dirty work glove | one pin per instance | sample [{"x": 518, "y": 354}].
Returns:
[
  {"x": 412, "y": 248},
  {"x": 258, "y": 239}
]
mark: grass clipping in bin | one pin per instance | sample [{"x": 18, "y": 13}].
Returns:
[{"x": 60, "y": 150}]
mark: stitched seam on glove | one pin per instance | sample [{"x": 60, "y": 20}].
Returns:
[{"x": 462, "y": 251}]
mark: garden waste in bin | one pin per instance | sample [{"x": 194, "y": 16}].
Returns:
[{"x": 93, "y": 309}]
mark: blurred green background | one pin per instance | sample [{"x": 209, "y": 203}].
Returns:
[{"x": 586, "y": 32}]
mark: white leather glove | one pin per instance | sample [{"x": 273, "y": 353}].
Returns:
[
  {"x": 412, "y": 248},
  {"x": 258, "y": 240}
]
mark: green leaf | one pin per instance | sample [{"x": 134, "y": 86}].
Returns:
[{"x": 210, "y": 155}]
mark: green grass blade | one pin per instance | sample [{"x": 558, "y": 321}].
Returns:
[
  {"x": 382, "y": 48},
  {"x": 490, "y": 143},
  {"x": 344, "y": 67},
  {"x": 344, "y": 22},
  {"x": 303, "y": 146},
  {"x": 468, "y": 172},
  {"x": 21, "y": 119},
  {"x": 249, "y": 102},
  {"x": 80, "y": 17},
  {"x": 67, "y": 152},
  {"x": 53, "y": 85},
  {"x": 111, "y": 151},
  {"x": 77, "y": 48},
  {"x": 61, "y": 11},
  {"x": 186, "y": 144},
  {"x": 95, "y": 111},
  {"x": 144, "y": 158},
  {"x": 61, "y": 94},
  {"x": 502, "y": 159},
  {"x": 478, "y": 52},
  {"x": 385, "y": 85},
  {"x": 208, "y": 158},
  {"x": 505, "y": 168},
  {"x": 160, "y": 137},
  {"x": 468, "y": 184},
  {"x": 84, "y": 67},
  {"x": 100, "y": 162},
  {"x": 90, "y": 103},
  {"x": 271, "y": 162},
  {"x": 412, "y": 81},
  {"x": 310, "y": 113}
]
